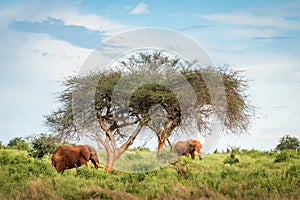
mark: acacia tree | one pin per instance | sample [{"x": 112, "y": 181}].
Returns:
[
  {"x": 162, "y": 100},
  {"x": 113, "y": 106}
]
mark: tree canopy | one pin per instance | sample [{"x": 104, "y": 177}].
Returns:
[
  {"x": 150, "y": 91},
  {"x": 288, "y": 143}
]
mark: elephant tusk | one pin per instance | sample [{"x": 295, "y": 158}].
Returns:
[
  {"x": 100, "y": 166},
  {"x": 200, "y": 155}
]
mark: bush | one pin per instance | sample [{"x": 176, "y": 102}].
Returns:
[
  {"x": 42, "y": 144},
  {"x": 288, "y": 143},
  {"x": 23, "y": 146},
  {"x": 9, "y": 158},
  {"x": 139, "y": 149},
  {"x": 85, "y": 172},
  {"x": 286, "y": 155},
  {"x": 18, "y": 143},
  {"x": 231, "y": 159},
  {"x": 256, "y": 153},
  {"x": 13, "y": 142},
  {"x": 4, "y": 157},
  {"x": 293, "y": 171}
]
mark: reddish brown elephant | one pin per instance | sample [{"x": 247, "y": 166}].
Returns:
[
  {"x": 67, "y": 157},
  {"x": 188, "y": 147}
]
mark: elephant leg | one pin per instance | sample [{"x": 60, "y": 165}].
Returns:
[
  {"x": 193, "y": 155},
  {"x": 187, "y": 154},
  {"x": 200, "y": 156},
  {"x": 60, "y": 167}
]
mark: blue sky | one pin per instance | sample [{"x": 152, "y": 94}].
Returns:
[{"x": 42, "y": 42}]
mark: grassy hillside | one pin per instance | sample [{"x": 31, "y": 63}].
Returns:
[{"x": 256, "y": 176}]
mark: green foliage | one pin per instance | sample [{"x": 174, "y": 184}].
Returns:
[
  {"x": 23, "y": 146},
  {"x": 232, "y": 159},
  {"x": 229, "y": 173},
  {"x": 1, "y": 145},
  {"x": 42, "y": 144},
  {"x": 18, "y": 143},
  {"x": 85, "y": 172},
  {"x": 258, "y": 173},
  {"x": 13, "y": 142},
  {"x": 293, "y": 171},
  {"x": 288, "y": 143},
  {"x": 139, "y": 149},
  {"x": 256, "y": 153},
  {"x": 140, "y": 160},
  {"x": 287, "y": 155},
  {"x": 25, "y": 177}
]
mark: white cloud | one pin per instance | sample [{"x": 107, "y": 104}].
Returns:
[
  {"x": 32, "y": 68},
  {"x": 139, "y": 9},
  {"x": 251, "y": 33},
  {"x": 92, "y": 22},
  {"x": 250, "y": 19},
  {"x": 69, "y": 15},
  {"x": 33, "y": 65}
]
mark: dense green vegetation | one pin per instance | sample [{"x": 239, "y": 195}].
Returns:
[{"x": 256, "y": 175}]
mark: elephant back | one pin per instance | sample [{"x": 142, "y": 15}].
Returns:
[{"x": 181, "y": 147}]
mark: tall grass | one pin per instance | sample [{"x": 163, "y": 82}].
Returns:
[{"x": 256, "y": 176}]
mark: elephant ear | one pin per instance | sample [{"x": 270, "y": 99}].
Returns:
[
  {"x": 192, "y": 144},
  {"x": 197, "y": 144},
  {"x": 85, "y": 152},
  {"x": 91, "y": 149}
]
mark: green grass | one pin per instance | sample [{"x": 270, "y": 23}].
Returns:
[{"x": 256, "y": 176}]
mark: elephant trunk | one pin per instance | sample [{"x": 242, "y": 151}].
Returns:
[{"x": 199, "y": 155}]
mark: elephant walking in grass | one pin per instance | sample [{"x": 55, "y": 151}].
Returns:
[
  {"x": 67, "y": 157},
  {"x": 188, "y": 147}
]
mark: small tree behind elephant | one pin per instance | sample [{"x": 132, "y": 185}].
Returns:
[
  {"x": 67, "y": 157},
  {"x": 188, "y": 147}
]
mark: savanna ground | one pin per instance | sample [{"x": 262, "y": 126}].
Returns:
[{"x": 257, "y": 175}]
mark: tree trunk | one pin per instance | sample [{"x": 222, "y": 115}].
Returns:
[
  {"x": 110, "y": 161},
  {"x": 110, "y": 146},
  {"x": 161, "y": 142},
  {"x": 163, "y": 135}
]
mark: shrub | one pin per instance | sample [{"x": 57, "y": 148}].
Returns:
[
  {"x": 288, "y": 143},
  {"x": 231, "y": 159},
  {"x": 258, "y": 173},
  {"x": 139, "y": 149},
  {"x": 42, "y": 144},
  {"x": 256, "y": 153},
  {"x": 4, "y": 157},
  {"x": 13, "y": 142},
  {"x": 9, "y": 158},
  {"x": 286, "y": 155},
  {"x": 18, "y": 143},
  {"x": 230, "y": 173},
  {"x": 23, "y": 146},
  {"x": 85, "y": 172},
  {"x": 293, "y": 171}
]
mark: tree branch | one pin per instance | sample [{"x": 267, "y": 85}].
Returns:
[{"x": 132, "y": 137}]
